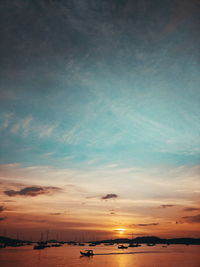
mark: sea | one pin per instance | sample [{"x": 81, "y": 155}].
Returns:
[{"x": 104, "y": 256}]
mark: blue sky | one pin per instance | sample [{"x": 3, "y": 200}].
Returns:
[
  {"x": 119, "y": 89},
  {"x": 136, "y": 117}
]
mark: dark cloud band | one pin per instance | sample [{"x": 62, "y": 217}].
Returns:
[
  {"x": 32, "y": 191},
  {"x": 109, "y": 196}
]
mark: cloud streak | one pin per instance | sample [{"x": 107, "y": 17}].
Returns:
[
  {"x": 191, "y": 209},
  {"x": 2, "y": 208},
  {"x": 146, "y": 224},
  {"x": 109, "y": 196},
  {"x": 192, "y": 219},
  {"x": 167, "y": 206},
  {"x": 26, "y": 126},
  {"x": 32, "y": 191}
]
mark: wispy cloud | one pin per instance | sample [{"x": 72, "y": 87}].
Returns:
[
  {"x": 48, "y": 154},
  {"x": 191, "y": 209},
  {"x": 22, "y": 125},
  {"x": 167, "y": 206},
  {"x": 5, "y": 120},
  {"x": 26, "y": 126},
  {"x": 45, "y": 130}
]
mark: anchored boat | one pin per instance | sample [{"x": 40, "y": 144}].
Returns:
[
  {"x": 132, "y": 245},
  {"x": 122, "y": 247}
]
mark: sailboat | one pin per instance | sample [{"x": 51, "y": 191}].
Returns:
[{"x": 41, "y": 244}]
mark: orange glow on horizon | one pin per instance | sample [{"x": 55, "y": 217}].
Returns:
[{"x": 120, "y": 230}]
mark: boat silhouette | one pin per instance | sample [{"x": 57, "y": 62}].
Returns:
[
  {"x": 87, "y": 253},
  {"x": 122, "y": 247}
]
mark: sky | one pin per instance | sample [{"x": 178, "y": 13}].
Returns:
[{"x": 99, "y": 118}]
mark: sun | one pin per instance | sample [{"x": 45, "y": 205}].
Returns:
[{"x": 120, "y": 231}]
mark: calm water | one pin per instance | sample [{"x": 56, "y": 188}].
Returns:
[{"x": 171, "y": 256}]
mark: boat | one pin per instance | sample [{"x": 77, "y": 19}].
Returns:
[
  {"x": 150, "y": 244},
  {"x": 41, "y": 244},
  {"x": 92, "y": 245},
  {"x": 122, "y": 247},
  {"x": 2, "y": 245},
  {"x": 132, "y": 245},
  {"x": 56, "y": 245},
  {"x": 81, "y": 244},
  {"x": 87, "y": 253},
  {"x": 39, "y": 247}
]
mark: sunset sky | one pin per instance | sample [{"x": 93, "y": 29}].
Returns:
[{"x": 99, "y": 118}]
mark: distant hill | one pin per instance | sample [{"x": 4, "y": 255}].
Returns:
[
  {"x": 142, "y": 240},
  {"x": 155, "y": 240},
  {"x": 10, "y": 241}
]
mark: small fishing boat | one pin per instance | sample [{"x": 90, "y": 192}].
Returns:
[
  {"x": 122, "y": 247},
  {"x": 87, "y": 253}
]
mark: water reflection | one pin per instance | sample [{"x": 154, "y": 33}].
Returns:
[
  {"x": 69, "y": 256},
  {"x": 38, "y": 257},
  {"x": 124, "y": 261}
]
